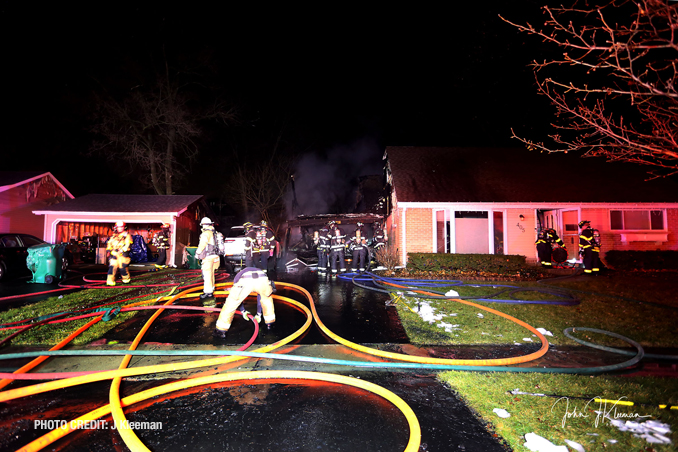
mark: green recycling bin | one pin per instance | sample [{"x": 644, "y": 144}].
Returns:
[
  {"x": 46, "y": 262},
  {"x": 192, "y": 262}
]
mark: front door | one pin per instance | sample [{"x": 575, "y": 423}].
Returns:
[{"x": 570, "y": 234}]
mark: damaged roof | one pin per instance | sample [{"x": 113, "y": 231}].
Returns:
[
  {"x": 126, "y": 203},
  {"x": 438, "y": 174}
]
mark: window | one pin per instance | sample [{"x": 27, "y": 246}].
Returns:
[
  {"x": 31, "y": 241},
  {"x": 643, "y": 220}
]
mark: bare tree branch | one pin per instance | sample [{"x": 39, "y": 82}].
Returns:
[{"x": 619, "y": 100}]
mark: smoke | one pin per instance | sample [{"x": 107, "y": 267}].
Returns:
[{"x": 327, "y": 182}]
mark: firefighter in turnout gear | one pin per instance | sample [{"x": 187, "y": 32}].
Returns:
[
  {"x": 263, "y": 246},
  {"x": 161, "y": 240},
  {"x": 589, "y": 247},
  {"x": 379, "y": 239},
  {"x": 358, "y": 247},
  {"x": 246, "y": 281},
  {"x": 546, "y": 240},
  {"x": 250, "y": 240},
  {"x": 337, "y": 247},
  {"x": 321, "y": 240},
  {"x": 118, "y": 250},
  {"x": 208, "y": 253}
]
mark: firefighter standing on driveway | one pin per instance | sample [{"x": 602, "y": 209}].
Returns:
[
  {"x": 246, "y": 281},
  {"x": 261, "y": 250},
  {"x": 380, "y": 238},
  {"x": 337, "y": 247},
  {"x": 118, "y": 249},
  {"x": 208, "y": 253},
  {"x": 250, "y": 240},
  {"x": 545, "y": 240},
  {"x": 358, "y": 246},
  {"x": 321, "y": 240},
  {"x": 162, "y": 242},
  {"x": 589, "y": 247}
]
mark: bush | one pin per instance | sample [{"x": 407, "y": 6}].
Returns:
[
  {"x": 642, "y": 260},
  {"x": 387, "y": 256},
  {"x": 489, "y": 263}
]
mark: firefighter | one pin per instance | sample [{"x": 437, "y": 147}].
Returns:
[
  {"x": 208, "y": 253},
  {"x": 118, "y": 250},
  {"x": 589, "y": 247},
  {"x": 322, "y": 241},
  {"x": 261, "y": 249},
  {"x": 246, "y": 281},
  {"x": 379, "y": 238},
  {"x": 250, "y": 240},
  {"x": 358, "y": 246},
  {"x": 161, "y": 240},
  {"x": 337, "y": 247},
  {"x": 546, "y": 239}
]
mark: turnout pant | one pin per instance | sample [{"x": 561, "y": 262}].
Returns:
[
  {"x": 359, "y": 256},
  {"x": 544, "y": 253},
  {"x": 209, "y": 265},
  {"x": 337, "y": 256},
  {"x": 591, "y": 261},
  {"x": 239, "y": 292},
  {"x": 118, "y": 263}
]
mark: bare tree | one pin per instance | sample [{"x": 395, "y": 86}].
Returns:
[
  {"x": 620, "y": 100},
  {"x": 260, "y": 184},
  {"x": 154, "y": 128}
]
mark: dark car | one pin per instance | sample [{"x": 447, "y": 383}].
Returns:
[{"x": 13, "y": 253}]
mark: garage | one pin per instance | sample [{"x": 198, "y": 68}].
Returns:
[{"x": 90, "y": 219}]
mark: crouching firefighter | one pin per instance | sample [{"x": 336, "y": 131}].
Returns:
[
  {"x": 546, "y": 239},
  {"x": 118, "y": 249},
  {"x": 208, "y": 253},
  {"x": 246, "y": 281}
]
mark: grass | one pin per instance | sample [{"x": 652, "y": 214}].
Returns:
[
  {"x": 47, "y": 335},
  {"x": 651, "y": 325},
  {"x": 548, "y": 416},
  {"x": 620, "y": 302}
]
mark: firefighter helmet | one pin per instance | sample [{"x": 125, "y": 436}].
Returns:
[
  {"x": 247, "y": 226},
  {"x": 583, "y": 223},
  {"x": 331, "y": 223},
  {"x": 119, "y": 224},
  {"x": 359, "y": 225},
  {"x": 263, "y": 223},
  {"x": 165, "y": 225},
  {"x": 205, "y": 221}
]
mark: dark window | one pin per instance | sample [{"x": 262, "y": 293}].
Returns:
[
  {"x": 31, "y": 241},
  {"x": 642, "y": 220}
]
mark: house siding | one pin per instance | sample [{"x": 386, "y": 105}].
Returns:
[
  {"x": 416, "y": 234},
  {"x": 18, "y": 203}
]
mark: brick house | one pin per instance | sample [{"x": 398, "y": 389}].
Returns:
[
  {"x": 95, "y": 214},
  {"x": 493, "y": 201},
  {"x": 22, "y": 192}
]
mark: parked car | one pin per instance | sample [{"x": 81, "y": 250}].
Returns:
[
  {"x": 234, "y": 248},
  {"x": 14, "y": 251}
]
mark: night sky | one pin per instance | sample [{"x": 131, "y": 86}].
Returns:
[{"x": 345, "y": 82}]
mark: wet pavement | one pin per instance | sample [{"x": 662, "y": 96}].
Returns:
[
  {"x": 276, "y": 415},
  {"x": 269, "y": 416}
]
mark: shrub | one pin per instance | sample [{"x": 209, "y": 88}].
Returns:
[{"x": 642, "y": 260}]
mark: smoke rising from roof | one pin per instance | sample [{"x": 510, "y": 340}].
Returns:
[{"x": 327, "y": 182}]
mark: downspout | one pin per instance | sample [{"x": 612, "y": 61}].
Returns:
[
  {"x": 403, "y": 231},
  {"x": 174, "y": 242}
]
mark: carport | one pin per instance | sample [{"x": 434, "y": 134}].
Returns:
[{"x": 93, "y": 216}]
